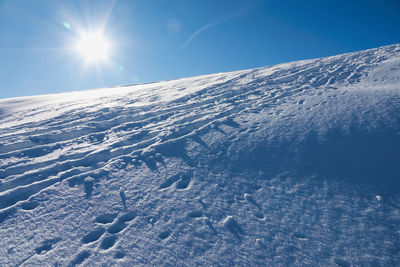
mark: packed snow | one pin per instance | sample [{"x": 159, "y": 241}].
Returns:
[{"x": 290, "y": 165}]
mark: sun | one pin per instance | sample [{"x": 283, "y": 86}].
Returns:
[{"x": 93, "y": 46}]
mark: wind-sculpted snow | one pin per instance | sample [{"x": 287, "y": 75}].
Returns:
[{"x": 294, "y": 164}]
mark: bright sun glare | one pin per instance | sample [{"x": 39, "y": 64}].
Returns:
[{"x": 93, "y": 46}]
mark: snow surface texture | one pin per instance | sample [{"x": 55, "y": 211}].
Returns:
[{"x": 294, "y": 164}]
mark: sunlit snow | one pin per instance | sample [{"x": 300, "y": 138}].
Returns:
[{"x": 290, "y": 165}]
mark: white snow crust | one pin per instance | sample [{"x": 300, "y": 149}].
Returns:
[{"x": 296, "y": 164}]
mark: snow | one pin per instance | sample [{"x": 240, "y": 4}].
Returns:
[{"x": 293, "y": 164}]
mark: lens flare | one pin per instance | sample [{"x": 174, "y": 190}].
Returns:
[{"x": 67, "y": 25}]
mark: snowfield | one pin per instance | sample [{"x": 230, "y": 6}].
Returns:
[{"x": 296, "y": 164}]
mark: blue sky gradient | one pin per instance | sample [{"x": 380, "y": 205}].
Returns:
[{"x": 169, "y": 39}]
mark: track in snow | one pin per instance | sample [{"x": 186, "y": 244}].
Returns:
[{"x": 249, "y": 167}]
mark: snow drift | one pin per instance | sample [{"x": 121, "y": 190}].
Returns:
[{"x": 293, "y": 164}]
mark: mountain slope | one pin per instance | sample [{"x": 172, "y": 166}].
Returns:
[{"x": 292, "y": 164}]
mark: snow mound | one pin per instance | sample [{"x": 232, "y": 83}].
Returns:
[{"x": 293, "y": 164}]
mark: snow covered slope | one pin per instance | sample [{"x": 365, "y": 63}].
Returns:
[{"x": 294, "y": 164}]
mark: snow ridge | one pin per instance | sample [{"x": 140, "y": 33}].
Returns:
[{"x": 292, "y": 164}]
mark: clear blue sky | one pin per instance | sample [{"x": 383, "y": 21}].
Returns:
[{"x": 169, "y": 39}]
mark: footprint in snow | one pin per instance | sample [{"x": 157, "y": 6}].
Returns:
[
  {"x": 164, "y": 235},
  {"x": 251, "y": 200},
  {"x": 195, "y": 214},
  {"x": 106, "y": 218},
  {"x": 108, "y": 242},
  {"x": 169, "y": 182},
  {"x": 123, "y": 197},
  {"x": 80, "y": 258},
  {"x": 88, "y": 184},
  {"x": 93, "y": 235},
  {"x": 117, "y": 227},
  {"x": 183, "y": 183},
  {"x": 233, "y": 226},
  {"x": 46, "y": 246},
  {"x": 29, "y": 205},
  {"x": 259, "y": 215},
  {"x": 119, "y": 255},
  {"x": 300, "y": 235}
]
